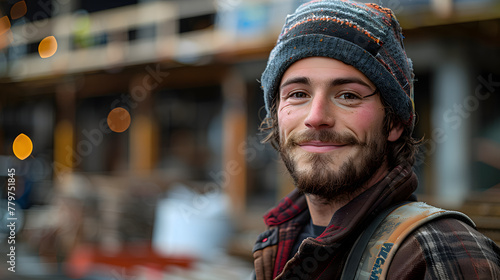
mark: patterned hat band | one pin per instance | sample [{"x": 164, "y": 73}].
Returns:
[{"x": 366, "y": 36}]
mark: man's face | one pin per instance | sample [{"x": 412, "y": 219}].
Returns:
[{"x": 331, "y": 127}]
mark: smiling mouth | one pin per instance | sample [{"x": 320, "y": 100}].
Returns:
[{"x": 321, "y": 147}]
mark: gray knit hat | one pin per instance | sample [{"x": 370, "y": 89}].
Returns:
[{"x": 365, "y": 36}]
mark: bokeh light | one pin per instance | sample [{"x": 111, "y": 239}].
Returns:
[
  {"x": 81, "y": 29},
  {"x": 119, "y": 119},
  {"x": 22, "y": 146},
  {"x": 5, "y": 33},
  {"x": 18, "y": 10},
  {"x": 4, "y": 24},
  {"x": 47, "y": 47}
]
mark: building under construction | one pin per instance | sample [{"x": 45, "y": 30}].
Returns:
[{"x": 144, "y": 118}]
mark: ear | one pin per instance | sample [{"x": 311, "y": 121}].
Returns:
[{"x": 395, "y": 132}]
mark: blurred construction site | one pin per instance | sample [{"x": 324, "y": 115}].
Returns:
[{"x": 129, "y": 140}]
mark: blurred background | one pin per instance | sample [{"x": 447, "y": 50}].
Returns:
[{"x": 129, "y": 143}]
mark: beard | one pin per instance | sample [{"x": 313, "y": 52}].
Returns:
[{"x": 319, "y": 177}]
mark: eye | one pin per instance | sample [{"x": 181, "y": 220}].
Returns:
[
  {"x": 295, "y": 96},
  {"x": 349, "y": 96},
  {"x": 298, "y": 94}
]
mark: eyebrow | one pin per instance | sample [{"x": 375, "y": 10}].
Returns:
[
  {"x": 295, "y": 80},
  {"x": 333, "y": 83},
  {"x": 350, "y": 80}
]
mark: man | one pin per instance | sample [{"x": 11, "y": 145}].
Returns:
[{"x": 338, "y": 90}]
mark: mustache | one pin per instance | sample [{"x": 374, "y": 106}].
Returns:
[{"x": 323, "y": 136}]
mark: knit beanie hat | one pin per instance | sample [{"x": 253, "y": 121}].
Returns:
[{"x": 365, "y": 36}]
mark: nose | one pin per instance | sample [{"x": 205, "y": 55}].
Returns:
[{"x": 321, "y": 113}]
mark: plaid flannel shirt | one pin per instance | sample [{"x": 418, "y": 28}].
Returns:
[{"x": 442, "y": 249}]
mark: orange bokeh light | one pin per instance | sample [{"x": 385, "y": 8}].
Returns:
[
  {"x": 18, "y": 10},
  {"x": 47, "y": 47},
  {"x": 4, "y": 24},
  {"x": 119, "y": 119},
  {"x": 22, "y": 146}
]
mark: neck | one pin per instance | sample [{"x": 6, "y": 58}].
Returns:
[{"x": 322, "y": 210}]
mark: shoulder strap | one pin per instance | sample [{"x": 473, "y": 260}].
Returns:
[
  {"x": 359, "y": 246},
  {"x": 372, "y": 253}
]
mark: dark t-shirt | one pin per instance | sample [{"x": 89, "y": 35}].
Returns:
[{"x": 310, "y": 230}]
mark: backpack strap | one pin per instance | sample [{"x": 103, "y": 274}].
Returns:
[{"x": 371, "y": 259}]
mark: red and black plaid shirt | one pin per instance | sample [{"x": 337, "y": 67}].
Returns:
[{"x": 442, "y": 249}]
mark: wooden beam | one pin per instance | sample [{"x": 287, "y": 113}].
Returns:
[
  {"x": 143, "y": 130},
  {"x": 234, "y": 134},
  {"x": 65, "y": 157}
]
